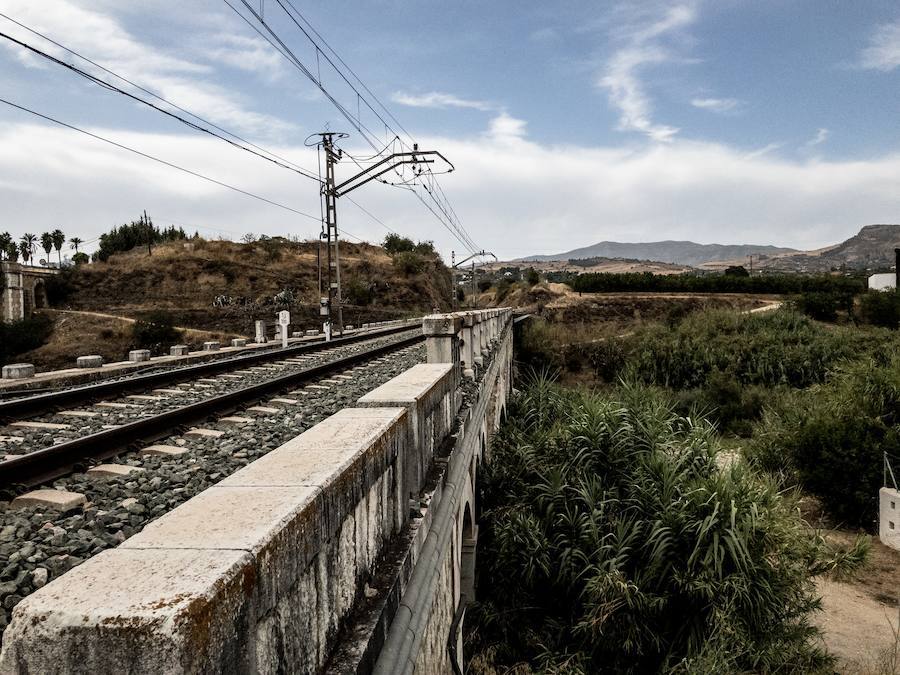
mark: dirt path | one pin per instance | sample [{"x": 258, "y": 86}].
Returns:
[
  {"x": 859, "y": 630},
  {"x": 190, "y": 331}
]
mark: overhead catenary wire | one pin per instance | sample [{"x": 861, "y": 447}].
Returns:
[
  {"x": 449, "y": 220},
  {"x": 285, "y": 164},
  {"x": 158, "y": 160}
]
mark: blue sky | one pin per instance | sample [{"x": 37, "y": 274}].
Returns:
[{"x": 763, "y": 121}]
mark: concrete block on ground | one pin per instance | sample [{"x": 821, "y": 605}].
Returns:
[
  {"x": 297, "y": 334},
  {"x": 312, "y": 331},
  {"x": 160, "y": 449},
  {"x": 889, "y": 517},
  {"x": 47, "y": 426},
  {"x": 263, "y": 409},
  {"x": 59, "y": 500},
  {"x": 92, "y": 361},
  {"x": 113, "y": 470},
  {"x": 204, "y": 433},
  {"x": 18, "y": 371},
  {"x": 138, "y": 355},
  {"x": 239, "y": 342},
  {"x": 211, "y": 346},
  {"x": 178, "y": 350},
  {"x": 78, "y": 413},
  {"x": 261, "y": 332},
  {"x": 235, "y": 419}
]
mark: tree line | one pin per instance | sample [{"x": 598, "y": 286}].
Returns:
[
  {"x": 26, "y": 247},
  {"x": 603, "y": 282}
]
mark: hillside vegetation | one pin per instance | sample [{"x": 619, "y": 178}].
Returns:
[{"x": 225, "y": 286}]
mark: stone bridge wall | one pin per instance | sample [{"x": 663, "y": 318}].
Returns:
[{"x": 309, "y": 558}]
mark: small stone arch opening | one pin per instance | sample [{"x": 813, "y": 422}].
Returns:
[
  {"x": 468, "y": 542},
  {"x": 40, "y": 295}
]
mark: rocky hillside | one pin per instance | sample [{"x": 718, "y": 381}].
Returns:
[
  {"x": 675, "y": 252},
  {"x": 225, "y": 286},
  {"x": 871, "y": 248}
]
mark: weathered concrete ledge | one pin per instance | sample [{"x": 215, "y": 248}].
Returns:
[{"x": 255, "y": 574}]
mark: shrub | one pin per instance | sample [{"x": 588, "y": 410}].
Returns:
[
  {"x": 60, "y": 287},
  {"x": 80, "y": 258},
  {"x": 394, "y": 243},
  {"x": 17, "y": 337},
  {"x": 781, "y": 347},
  {"x": 881, "y": 308},
  {"x": 824, "y": 306},
  {"x": 356, "y": 292},
  {"x": 612, "y": 542},
  {"x": 502, "y": 290},
  {"x": 832, "y": 438},
  {"x": 484, "y": 285},
  {"x": 598, "y": 282},
  {"x": 126, "y": 237},
  {"x": 532, "y": 276},
  {"x": 409, "y": 262},
  {"x": 155, "y": 332}
]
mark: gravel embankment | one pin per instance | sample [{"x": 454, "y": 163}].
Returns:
[{"x": 37, "y": 545}]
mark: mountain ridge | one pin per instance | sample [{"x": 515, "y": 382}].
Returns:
[{"x": 872, "y": 246}]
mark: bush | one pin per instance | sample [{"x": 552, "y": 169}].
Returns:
[
  {"x": 532, "y": 276},
  {"x": 126, "y": 237},
  {"x": 501, "y": 290},
  {"x": 824, "y": 306},
  {"x": 60, "y": 287},
  {"x": 17, "y": 337},
  {"x": 155, "y": 333},
  {"x": 409, "y": 262},
  {"x": 394, "y": 243},
  {"x": 484, "y": 285},
  {"x": 357, "y": 292},
  {"x": 780, "y": 347},
  {"x": 599, "y": 282},
  {"x": 80, "y": 258},
  {"x": 612, "y": 542},
  {"x": 832, "y": 438},
  {"x": 881, "y": 308}
]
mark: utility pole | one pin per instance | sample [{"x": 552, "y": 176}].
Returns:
[
  {"x": 479, "y": 254},
  {"x": 751, "y": 264},
  {"x": 474, "y": 288},
  {"x": 331, "y": 234},
  {"x": 330, "y": 193},
  {"x": 453, "y": 278},
  {"x": 149, "y": 233}
]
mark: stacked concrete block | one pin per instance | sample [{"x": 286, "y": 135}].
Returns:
[
  {"x": 139, "y": 355},
  {"x": 178, "y": 350},
  {"x": 211, "y": 346},
  {"x": 239, "y": 342},
  {"x": 261, "y": 332}
]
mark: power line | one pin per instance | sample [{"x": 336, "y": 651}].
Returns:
[
  {"x": 450, "y": 220},
  {"x": 92, "y": 78},
  {"x": 157, "y": 159}
]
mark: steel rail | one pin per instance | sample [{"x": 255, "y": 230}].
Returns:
[
  {"x": 22, "y": 408},
  {"x": 46, "y": 464}
]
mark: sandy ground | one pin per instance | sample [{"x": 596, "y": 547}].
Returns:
[{"x": 861, "y": 616}]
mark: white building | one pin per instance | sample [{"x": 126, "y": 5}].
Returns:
[{"x": 883, "y": 282}]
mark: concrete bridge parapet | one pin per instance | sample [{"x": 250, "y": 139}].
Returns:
[{"x": 349, "y": 548}]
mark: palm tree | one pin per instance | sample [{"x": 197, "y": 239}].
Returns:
[
  {"x": 12, "y": 251},
  {"x": 58, "y": 240},
  {"x": 29, "y": 241},
  {"x": 75, "y": 242},
  {"x": 47, "y": 244},
  {"x": 5, "y": 241}
]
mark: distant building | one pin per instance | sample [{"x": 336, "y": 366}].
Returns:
[{"x": 883, "y": 282}]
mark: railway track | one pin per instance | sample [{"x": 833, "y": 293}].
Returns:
[
  {"x": 38, "y": 543},
  {"x": 61, "y": 441}
]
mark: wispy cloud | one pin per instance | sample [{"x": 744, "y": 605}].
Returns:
[
  {"x": 883, "y": 50},
  {"x": 716, "y": 105},
  {"x": 820, "y": 137},
  {"x": 506, "y": 127},
  {"x": 765, "y": 150},
  {"x": 186, "y": 81},
  {"x": 643, "y": 43},
  {"x": 437, "y": 99}
]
